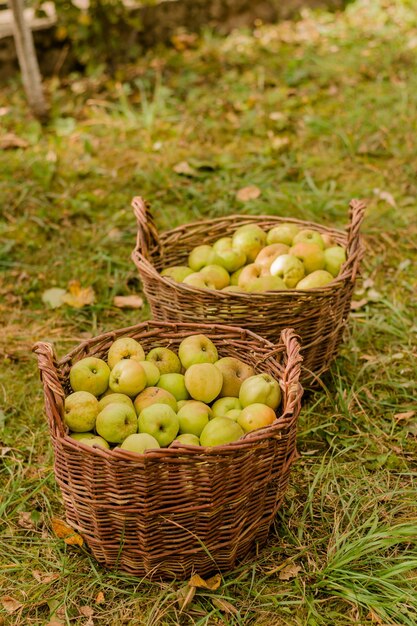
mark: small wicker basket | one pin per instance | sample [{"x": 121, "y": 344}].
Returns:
[
  {"x": 175, "y": 511},
  {"x": 319, "y": 315}
]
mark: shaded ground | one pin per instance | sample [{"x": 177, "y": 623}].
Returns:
[{"x": 313, "y": 113}]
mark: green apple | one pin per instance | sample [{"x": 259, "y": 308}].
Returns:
[
  {"x": 113, "y": 397},
  {"x": 139, "y": 442},
  {"x": 216, "y": 275},
  {"x": 223, "y": 405},
  {"x": 319, "y": 278},
  {"x": 268, "y": 254},
  {"x": 201, "y": 256},
  {"x": 311, "y": 255},
  {"x": 248, "y": 274},
  {"x": 233, "y": 414},
  {"x": 282, "y": 233},
  {"x": 127, "y": 377},
  {"x": 154, "y": 395},
  {"x": 266, "y": 283},
  {"x": 328, "y": 240},
  {"x": 177, "y": 272},
  {"x": 203, "y": 381},
  {"x": 152, "y": 372},
  {"x": 197, "y": 349},
  {"x": 256, "y": 416},
  {"x": 289, "y": 269},
  {"x": 198, "y": 280},
  {"x": 234, "y": 372},
  {"x": 234, "y": 278},
  {"x": 165, "y": 360},
  {"x": 334, "y": 259},
  {"x": 79, "y": 436},
  {"x": 160, "y": 421},
  {"x": 306, "y": 235},
  {"x": 188, "y": 439},
  {"x": 233, "y": 289},
  {"x": 90, "y": 374},
  {"x": 193, "y": 417},
  {"x": 249, "y": 239},
  {"x": 261, "y": 388},
  {"x": 224, "y": 243},
  {"x": 175, "y": 384},
  {"x": 116, "y": 422},
  {"x": 80, "y": 411},
  {"x": 220, "y": 431},
  {"x": 96, "y": 441},
  {"x": 124, "y": 348},
  {"x": 231, "y": 259}
]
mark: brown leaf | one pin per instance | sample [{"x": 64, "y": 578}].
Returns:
[
  {"x": 289, "y": 572},
  {"x": 212, "y": 583},
  {"x": 87, "y": 611},
  {"x": 128, "y": 302},
  {"x": 404, "y": 416},
  {"x": 224, "y": 605},
  {"x": 25, "y": 520},
  {"x": 44, "y": 577},
  {"x": 374, "y": 617},
  {"x": 78, "y": 296},
  {"x": 100, "y": 598},
  {"x": 248, "y": 193},
  {"x": 184, "y": 169},
  {"x": 55, "y": 622},
  {"x": 10, "y": 604},
  {"x": 10, "y": 141},
  {"x": 185, "y": 596},
  {"x": 358, "y": 304},
  {"x": 65, "y": 532}
]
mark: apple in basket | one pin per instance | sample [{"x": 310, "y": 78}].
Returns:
[
  {"x": 256, "y": 416},
  {"x": 261, "y": 388},
  {"x": 216, "y": 275},
  {"x": 160, "y": 421},
  {"x": 90, "y": 374},
  {"x": 310, "y": 254},
  {"x": 177, "y": 272},
  {"x": 334, "y": 259},
  {"x": 220, "y": 431},
  {"x": 289, "y": 269},
  {"x": 111, "y": 398},
  {"x": 127, "y": 377},
  {"x": 175, "y": 384},
  {"x": 223, "y": 405},
  {"x": 154, "y": 395},
  {"x": 231, "y": 259},
  {"x": 306, "y": 235},
  {"x": 187, "y": 439},
  {"x": 268, "y": 254},
  {"x": 197, "y": 349},
  {"x": 124, "y": 348},
  {"x": 282, "y": 233},
  {"x": 139, "y": 442},
  {"x": 80, "y": 411},
  {"x": 193, "y": 417},
  {"x": 152, "y": 372},
  {"x": 266, "y": 283},
  {"x": 203, "y": 381},
  {"x": 320, "y": 278},
  {"x": 116, "y": 422},
  {"x": 234, "y": 372},
  {"x": 201, "y": 256},
  {"x": 249, "y": 239},
  {"x": 224, "y": 243},
  {"x": 165, "y": 360}
]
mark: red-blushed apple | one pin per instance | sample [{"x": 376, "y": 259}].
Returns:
[
  {"x": 124, "y": 348},
  {"x": 198, "y": 280},
  {"x": 234, "y": 372},
  {"x": 165, "y": 360},
  {"x": 193, "y": 417},
  {"x": 220, "y": 431},
  {"x": 203, "y": 381},
  {"x": 201, "y": 256},
  {"x": 90, "y": 374},
  {"x": 261, "y": 388},
  {"x": 116, "y": 422},
  {"x": 266, "y": 283},
  {"x": 113, "y": 397},
  {"x": 319, "y": 278},
  {"x": 248, "y": 274},
  {"x": 289, "y": 269},
  {"x": 334, "y": 259},
  {"x": 269, "y": 254},
  {"x": 139, "y": 442},
  {"x": 96, "y": 441},
  {"x": 249, "y": 239},
  {"x": 328, "y": 240},
  {"x": 127, "y": 377},
  {"x": 231, "y": 259},
  {"x": 216, "y": 275},
  {"x": 307, "y": 235},
  {"x": 282, "y": 233},
  {"x": 175, "y": 384},
  {"x": 223, "y": 405},
  {"x": 256, "y": 416},
  {"x": 224, "y": 243},
  {"x": 197, "y": 349},
  {"x": 154, "y": 395},
  {"x": 310, "y": 254},
  {"x": 177, "y": 272},
  {"x": 160, "y": 421},
  {"x": 80, "y": 411},
  {"x": 188, "y": 439},
  {"x": 152, "y": 373}
]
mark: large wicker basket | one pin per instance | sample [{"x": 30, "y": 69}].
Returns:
[
  {"x": 319, "y": 315},
  {"x": 175, "y": 511}
]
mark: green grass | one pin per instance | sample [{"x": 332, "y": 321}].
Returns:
[{"x": 314, "y": 113}]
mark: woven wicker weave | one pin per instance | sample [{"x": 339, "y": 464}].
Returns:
[
  {"x": 174, "y": 511},
  {"x": 319, "y": 315}
]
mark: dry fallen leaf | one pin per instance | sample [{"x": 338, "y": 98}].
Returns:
[
  {"x": 54, "y": 297},
  {"x": 65, "y": 532},
  {"x": 78, "y": 296},
  {"x": 44, "y": 577},
  {"x": 10, "y": 141},
  {"x": 25, "y": 520},
  {"x": 404, "y": 416},
  {"x": 248, "y": 193},
  {"x": 358, "y": 304},
  {"x": 184, "y": 169},
  {"x": 373, "y": 617},
  {"x": 185, "y": 596},
  {"x": 100, "y": 598},
  {"x": 87, "y": 610},
  {"x": 289, "y": 572},
  {"x": 128, "y": 302},
  {"x": 212, "y": 583},
  {"x": 10, "y": 604},
  {"x": 385, "y": 195},
  {"x": 224, "y": 605}
]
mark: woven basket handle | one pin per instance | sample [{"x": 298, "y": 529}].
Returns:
[
  {"x": 147, "y": 237},
  {"x": 291, "y": 363},
  {"x": 354, "y": 248},
  {"x": 54, "y": 392}
]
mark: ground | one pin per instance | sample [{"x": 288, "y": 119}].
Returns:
[{"x": 312, "y": 113}]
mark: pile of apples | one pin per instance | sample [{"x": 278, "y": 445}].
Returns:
[
  {"x": 141, "y": 401},
  {"x": 286, "y": 257}
]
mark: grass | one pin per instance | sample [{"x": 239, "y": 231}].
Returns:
[{"x": 313, "y": 112}]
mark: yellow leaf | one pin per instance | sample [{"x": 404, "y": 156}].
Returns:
[
  {"x": 289, "y": 572},
  {"x": 248, "y": 193},
  {"x": 65, "y": 532},
  {"x": 212, "y": 583},
  {"x": 10, "y": 604},
  {"x": 78, "y": 296},
  {"x": 128, "y": 302}
]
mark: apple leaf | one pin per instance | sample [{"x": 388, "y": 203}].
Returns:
[
  {"x": 212, "y": 583},
  {"x": 248, "y": 193},
  {"x": 54, "y": 297},
  {"x": 78, "y": 296},
  {"x": 289, "y": 572},
  {"x": 10, "y": 604},
  {"x": 65, "y": 532},
  {"x": 128, "y": 302}
]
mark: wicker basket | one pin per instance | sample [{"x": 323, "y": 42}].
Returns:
[
  {"x": 319, "y": 315},
  {"x": 175, "y": 511}
]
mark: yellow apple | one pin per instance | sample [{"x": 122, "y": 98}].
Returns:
[
  {"x": 289, "y": 269},
  {"x": 216, "y": 275},
  {"x": 224, "y": 243},
  {"x": 256, "y": 416},
  {"x": 197, "y": 349},
  {"x": 203, "y": 381},
  {"x": 269, "y": 254},
  {"x": 234, "y": 372},
  {"x": 139, "y": 442},
  {"x": 223, "y": 405},
  {"x": 248, "y": 274},
  {"x": 154, "y": 395},
  {"x": 127, "y": 377},
  {"x": 165, "y": 360},
  {"x": 124, "y": 348},
  {"x": 113, "y": 397},
  {"x": 90, "y": 374},
  {"x": 174, "y": 383},
  {"x": 231, "y": 259},
  {"x": 319, "y": 278},
  {"x": 307, "y": 235},
  {"x": 282, "y": 233},
  {"x": 152, "y": 372},
  {"x": 234, "y": 278},
  {"x": 201, "y": 256},
  {"x": 220, "y": 431},
  {"x": 249, "y": 239},
  {"x": 310, "y": 254},
  {"x": 80, "y": 411},
  {"x": 266, "y": 283},
  {"x": 116, "y": 422},
  {"x": 193, "y": 417},
  {"x": 177, "y": 272},
  {"x": 261, "y": 388},
  {"x": 160, "y": 421},
  {"x": 96, "y": 441}
]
